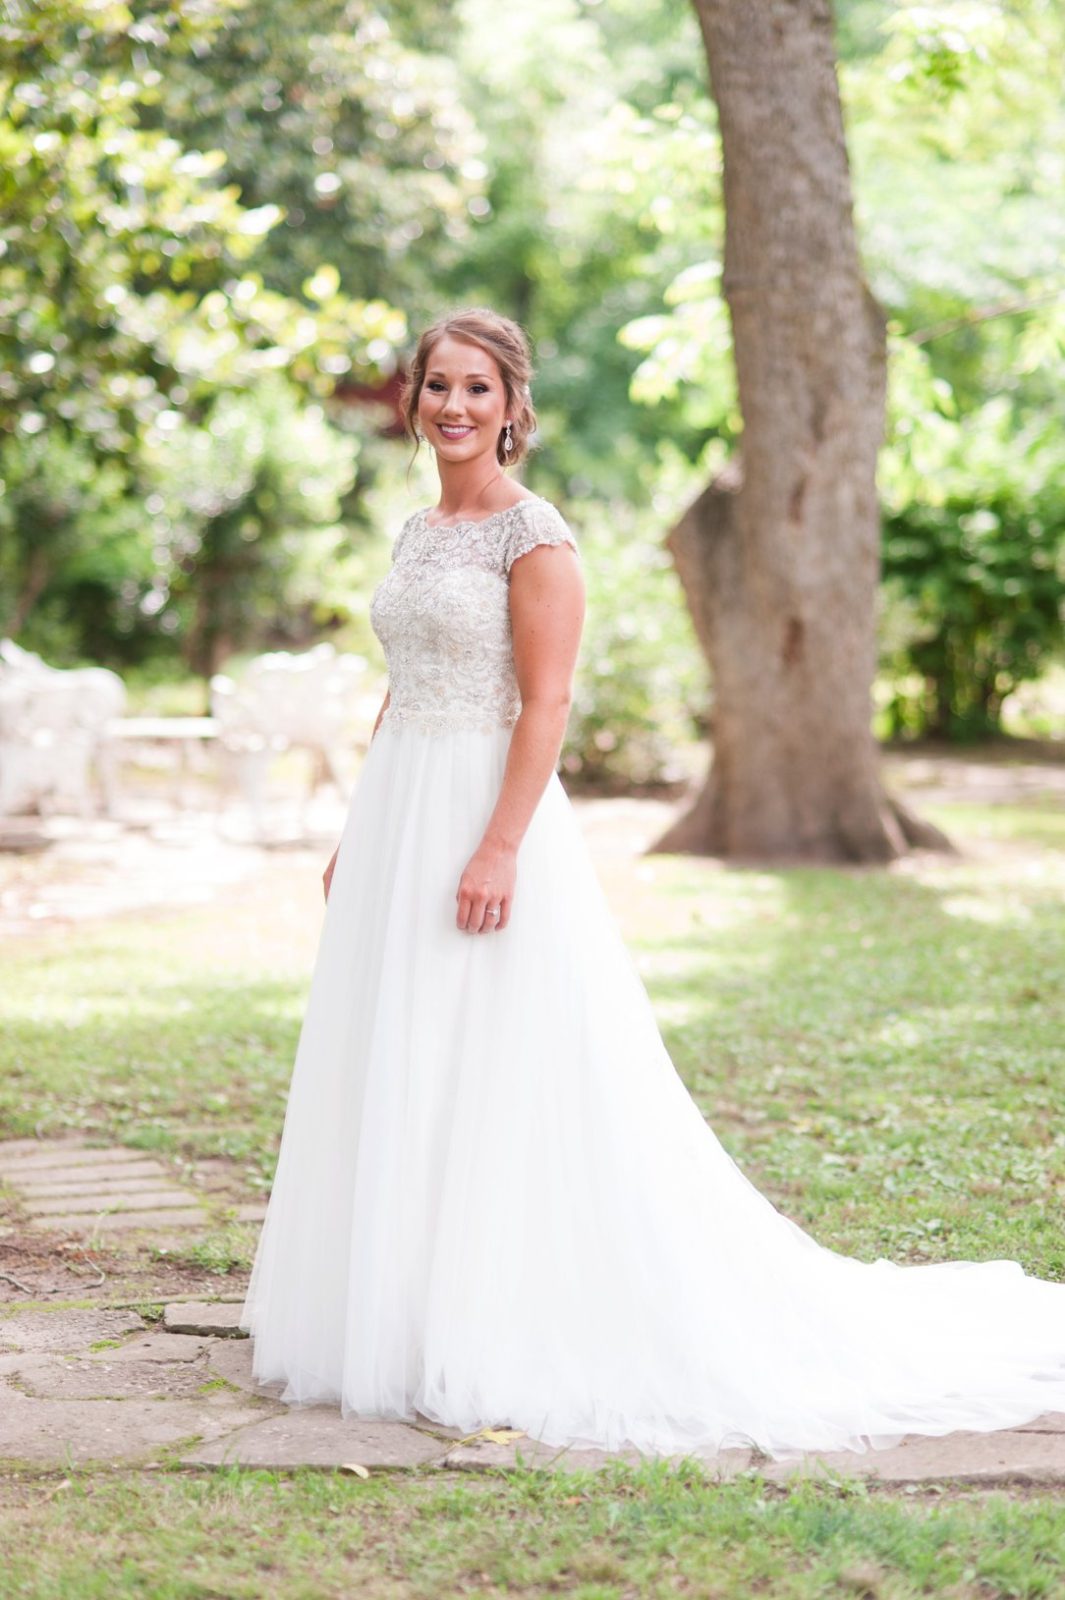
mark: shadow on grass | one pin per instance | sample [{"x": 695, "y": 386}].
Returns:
[
  {"x": 199, "y": 1067},
  {"x": 882, "y": 1055},
  {"x": 880, "y": 1051}
]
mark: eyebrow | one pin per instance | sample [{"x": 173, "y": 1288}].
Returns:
[{"x": 437, "y": 372}]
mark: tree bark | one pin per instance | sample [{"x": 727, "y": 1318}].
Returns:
[
  {"x": 779, "y": 556},
  {"x": 36, "y": 578}
]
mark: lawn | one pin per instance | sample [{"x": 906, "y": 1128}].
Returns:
[
  {"x": 884, "y": 1052},
  {"x": 623, "y": 1534},
  {"x": 881, "y": 1050}
]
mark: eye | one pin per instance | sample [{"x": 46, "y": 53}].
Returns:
[
  {"x": 434, "y": 383},
  {"x": 479, "y": 388}
]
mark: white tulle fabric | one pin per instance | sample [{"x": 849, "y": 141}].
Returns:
[{"x": 495, "y": 1201}]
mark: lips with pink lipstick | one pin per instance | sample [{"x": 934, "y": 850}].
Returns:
[{"x": 453, "y": 432}]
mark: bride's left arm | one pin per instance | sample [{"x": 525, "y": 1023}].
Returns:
[{"x": 547, "y": 605}]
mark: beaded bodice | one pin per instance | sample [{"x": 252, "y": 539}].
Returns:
[{"x": 442, "y": 615}]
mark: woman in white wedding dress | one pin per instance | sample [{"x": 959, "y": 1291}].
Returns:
[{"x": 495, "y": 1201}]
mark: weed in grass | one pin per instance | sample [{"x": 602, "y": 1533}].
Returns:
[{"x": 223, "y": 1251}]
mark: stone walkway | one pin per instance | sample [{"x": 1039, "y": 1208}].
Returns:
[
  {"x": 107, "y": 1384},
  {"x": 105, "y": 1387},
  {"x": 70, "y": 1185}
]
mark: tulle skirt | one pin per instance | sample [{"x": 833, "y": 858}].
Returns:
[{"x": 496, "y": 1202}]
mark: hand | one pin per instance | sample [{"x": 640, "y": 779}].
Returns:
[
  {"x": 327, "y": 875},
  {"x": 488, "y": 880}
]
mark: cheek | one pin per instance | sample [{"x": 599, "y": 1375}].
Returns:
[{"x": 490, "y": 408}]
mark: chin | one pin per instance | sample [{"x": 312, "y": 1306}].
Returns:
[{"x": 468, "y": 447}]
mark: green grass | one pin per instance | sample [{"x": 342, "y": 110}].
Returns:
[
  {"x": 658, "y": 1530},
  {"x": 171, "y": 1032},
  {"x": 882, "y": 1052}
]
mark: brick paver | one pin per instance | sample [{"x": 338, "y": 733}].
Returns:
[{"x": 70, "y": 1185}]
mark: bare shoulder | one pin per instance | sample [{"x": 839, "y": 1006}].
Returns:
[{"x": 522, "y": 494}]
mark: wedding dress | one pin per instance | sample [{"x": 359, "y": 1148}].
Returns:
[{"x": 495, "y": 1200}]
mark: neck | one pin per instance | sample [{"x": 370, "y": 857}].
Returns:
[{"x": 464, "y": 484}]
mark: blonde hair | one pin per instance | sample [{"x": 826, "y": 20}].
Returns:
[{"x": 508, "y": 346}]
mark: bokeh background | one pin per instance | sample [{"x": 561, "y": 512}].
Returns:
[
  {"x": 222, "y": 225},
  {"x": 225, "y": 222}
]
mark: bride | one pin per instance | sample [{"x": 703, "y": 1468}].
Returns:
[{"x": 495, "y": 1201}]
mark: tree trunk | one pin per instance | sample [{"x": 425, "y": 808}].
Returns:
[
  {"x": 779, "y": 556},
  {"x": 37, "y": 576}
]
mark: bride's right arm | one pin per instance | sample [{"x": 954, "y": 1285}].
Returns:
[{"x": 327, "y": 875}]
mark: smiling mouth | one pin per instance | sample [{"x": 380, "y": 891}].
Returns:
[{"x": 451, "y": 432}]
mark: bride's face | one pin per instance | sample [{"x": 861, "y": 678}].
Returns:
[{"x": 462, "y": 407}]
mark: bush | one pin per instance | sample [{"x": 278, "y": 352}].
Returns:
[
  {"x": 641, "y": 683},
  {"x": 985, "y": 597}
]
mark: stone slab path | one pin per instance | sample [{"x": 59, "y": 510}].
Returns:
[
  {"x": 69, "y": 1185},
  {"x": 124, "y": 1383},
  {"x": 105, "y": 1386}
]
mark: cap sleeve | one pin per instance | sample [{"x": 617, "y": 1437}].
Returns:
[
  {"x": 397, "y": 542},
  {"x": 538, "y": 522}
]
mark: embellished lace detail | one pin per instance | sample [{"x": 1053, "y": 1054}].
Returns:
[{"x": 442, "y": 615}]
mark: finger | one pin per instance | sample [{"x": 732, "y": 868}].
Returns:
[{"x": 504, "y": 915}]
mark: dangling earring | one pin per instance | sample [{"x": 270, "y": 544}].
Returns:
[{"x": 508, "y": 442}]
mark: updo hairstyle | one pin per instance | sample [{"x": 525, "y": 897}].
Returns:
[{"x": 508, "y": 345}]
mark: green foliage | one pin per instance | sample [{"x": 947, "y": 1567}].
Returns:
[
  {"x": 123, "y": 279},
  {"x": 974, "y": 554},
  {"x": 244, "y": 504},
  {"x": 590, "y": 211},
  {"x": 127, "y": 310},
  {"x": 640, "y": 689},
  {"x": 202, "y": 197},
  {"x": 68, "y": 535},
  {"x": 362, "y": 142},
  {"x": 957, "y": 138},
  {"x": 987, "y": 611},
  {"x": 109, "y": 228}
]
